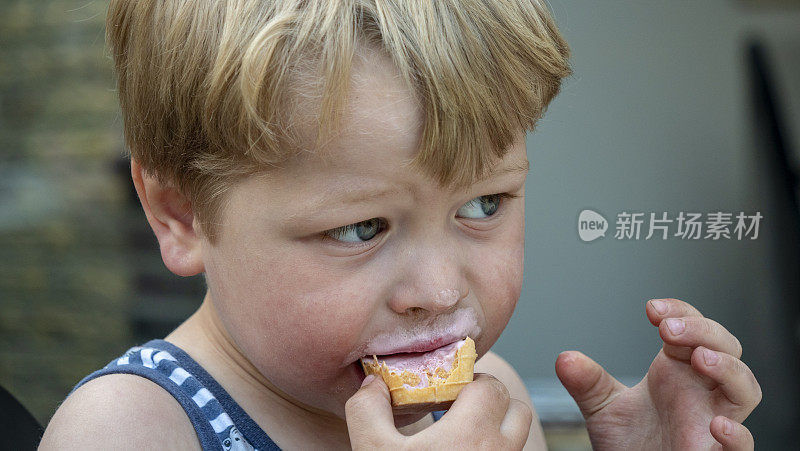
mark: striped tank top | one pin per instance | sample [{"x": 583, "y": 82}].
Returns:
[{"x": 220, "y": 423}]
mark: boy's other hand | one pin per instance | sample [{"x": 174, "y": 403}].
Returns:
[
  {"x": 483, "y": 416},
  {"x": 695, "y": 395}
]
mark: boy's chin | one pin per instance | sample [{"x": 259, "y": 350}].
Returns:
[
  {"x": 405, "y": 419},
  {"x": 401, "y": 419}
]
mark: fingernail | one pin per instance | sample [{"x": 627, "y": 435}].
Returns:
[
  {"x": 367, "y": 380},
  {"x": 710, "y": 357},
  {"x": 728, "y": 427},
  {"x": 660, "y": 306},
  {"x": 676, "y": 326}
]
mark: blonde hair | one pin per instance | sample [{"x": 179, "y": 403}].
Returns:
[{"x": 206, "y": 87}]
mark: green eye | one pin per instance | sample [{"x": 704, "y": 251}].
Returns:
[{"x": 358, "y": 232}]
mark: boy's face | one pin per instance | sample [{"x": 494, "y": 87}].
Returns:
[{"x": 303, "y": 298}]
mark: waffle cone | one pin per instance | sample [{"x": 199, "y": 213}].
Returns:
[{"x": 444, "y": 386}]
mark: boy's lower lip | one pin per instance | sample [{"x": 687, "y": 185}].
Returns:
[
  {"x": 398, "y": 354},
  {"x": 409, "y": 354},
  {"x": 426, "y": 346}
]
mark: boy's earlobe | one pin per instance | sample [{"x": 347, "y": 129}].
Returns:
[{"x": 171, "y": 217}]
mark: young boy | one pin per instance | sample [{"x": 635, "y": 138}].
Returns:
[{"x": 348, "y": 176}]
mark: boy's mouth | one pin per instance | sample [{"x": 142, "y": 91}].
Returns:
[
  {"x": 420, "y": 337},
  {"x": 418, "y": 362},
  {"x": 416, "y": 347},
  {"x": 419, "y": 349}
]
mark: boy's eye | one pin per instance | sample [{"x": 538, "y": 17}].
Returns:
[
  {"x": 358, "y": 232},
  {"x": 480, "y": 207}
]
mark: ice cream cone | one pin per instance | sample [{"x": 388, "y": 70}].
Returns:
[{"x": 426, "y": 388}]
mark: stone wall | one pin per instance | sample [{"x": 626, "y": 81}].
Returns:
[{"x": 79, "y": 267}]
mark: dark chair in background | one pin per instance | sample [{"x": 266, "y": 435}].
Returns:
[
  {"x": 775, "y": 318},
  {"x": 19, "y": 430}
]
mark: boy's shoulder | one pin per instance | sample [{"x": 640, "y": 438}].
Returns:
[
  {"x": 120, "y": 411},
  {"x": 498, "y": 367}
]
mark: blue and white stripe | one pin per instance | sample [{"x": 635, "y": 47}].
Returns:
[{"x": 165, "y": 363}]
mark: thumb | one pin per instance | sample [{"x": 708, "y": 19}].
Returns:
[
  {"x": 587, "y": 382},
  {"x": 369, "y": 415}
]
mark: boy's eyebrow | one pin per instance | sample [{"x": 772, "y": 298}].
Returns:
[
  {"x": 523, "y": 166},
  {"x": 356, "y": 196},
  {"x": 359, "y": 196},
  {"x": 346, "y": 197}
]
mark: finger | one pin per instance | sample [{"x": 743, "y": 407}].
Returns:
[
  {"x": 485, "y": 396},
  {"x": 369, "y": 414},
  {"x": 658, "y": 309},
  {"x": 733, "y": 377},
  {"x": 517, "y": 423},
  {"x": 691, "y": 332},
  {"x": 731, "y": 435},
  {"x": 587, "y": 382}
]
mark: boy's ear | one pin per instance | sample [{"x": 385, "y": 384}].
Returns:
[{"x": 172, "y": 220}]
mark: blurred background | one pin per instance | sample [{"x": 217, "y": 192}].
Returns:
[{"x": 674, "y": 106}]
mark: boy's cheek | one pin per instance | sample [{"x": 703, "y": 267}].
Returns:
[
  {"x": 499, "y": 282},
  {"x": 283, "y": 307},
  {"x": 294, "y": 309}
]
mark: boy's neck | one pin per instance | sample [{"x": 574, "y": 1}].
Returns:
[{"x": 287, "y": 421}]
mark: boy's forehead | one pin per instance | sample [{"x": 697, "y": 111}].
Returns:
[
  {"x": 378, "y": 163},
  {"x": 381, "y": 117},
  {"x": 379, "y": 131}
]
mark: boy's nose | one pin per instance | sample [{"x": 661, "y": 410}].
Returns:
[
  {"x": 447, "y": 298},
  {"x": 439, "y": 303},
  {"x": 434, "y": 282}
]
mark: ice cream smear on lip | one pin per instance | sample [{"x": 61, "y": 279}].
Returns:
[
  {"x": 451, "y": 326},
  {"x": 418, "y": 369}
]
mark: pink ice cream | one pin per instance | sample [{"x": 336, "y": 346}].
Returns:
[{"x": 421, "y": 363}]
